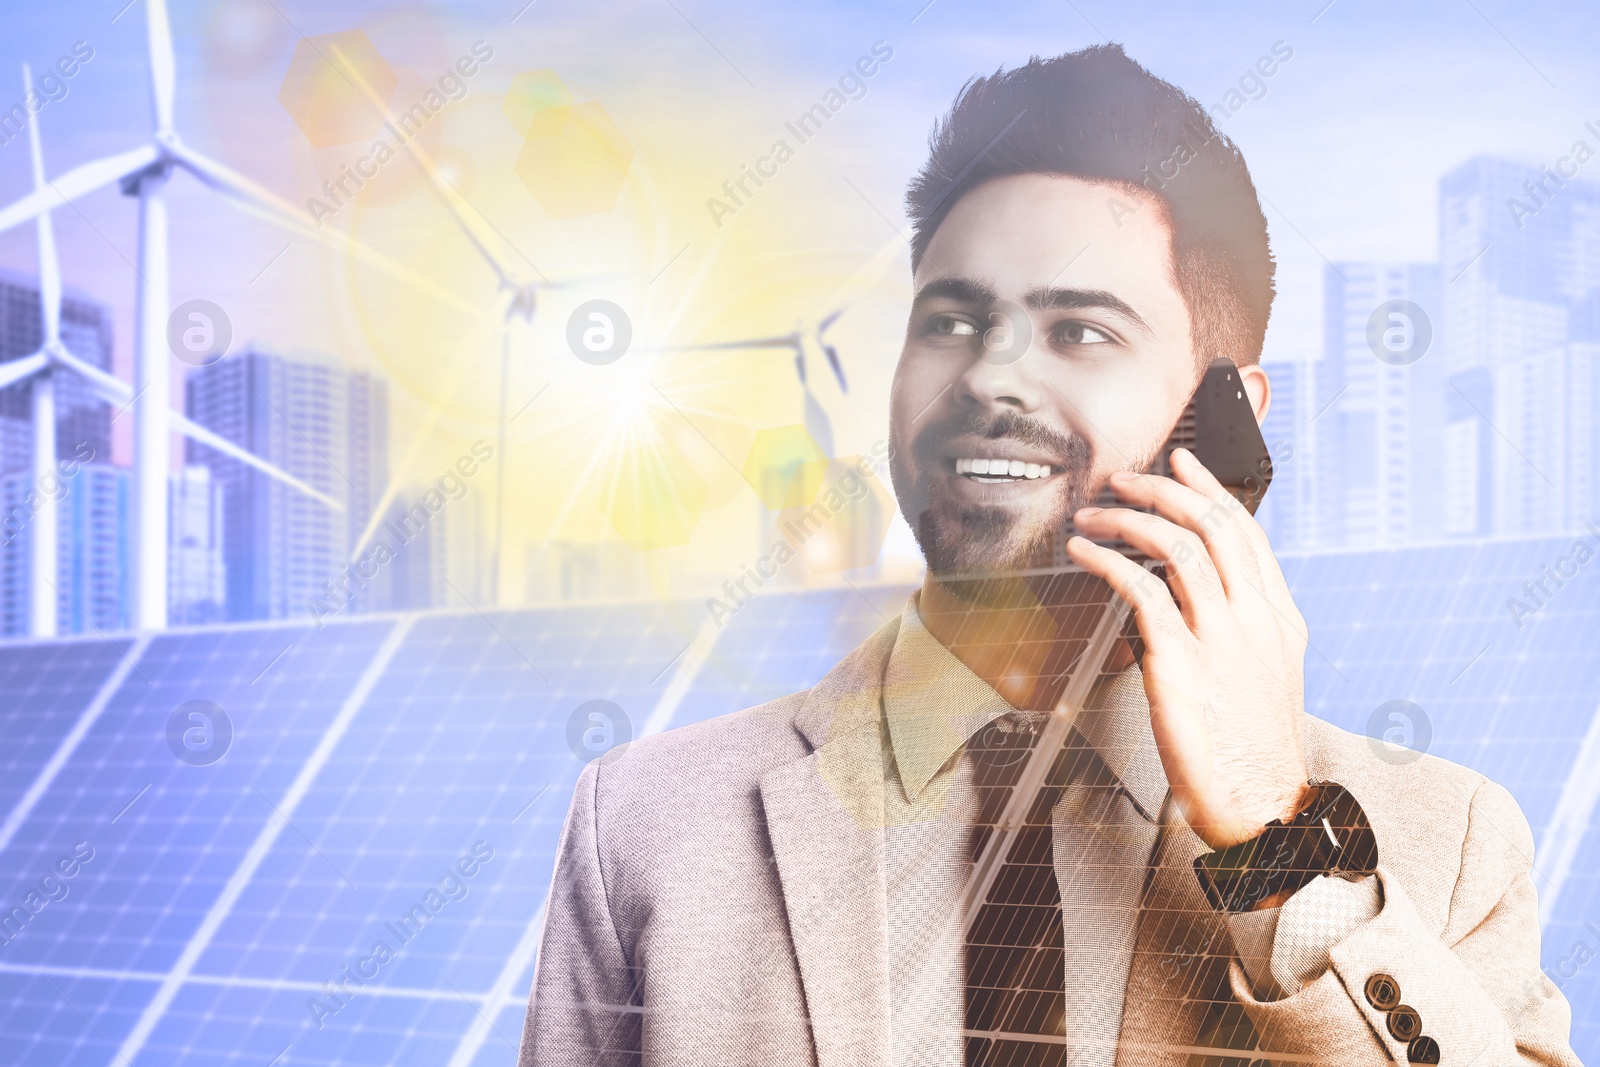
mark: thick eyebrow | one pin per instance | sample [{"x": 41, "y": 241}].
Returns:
[
  {"x": 981, "y": 294},
  {"x": 1047, "y": 299},
  {"x": 961, "y": 290}
]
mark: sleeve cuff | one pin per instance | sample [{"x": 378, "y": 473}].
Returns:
[{"x": 1284, "y": 949}]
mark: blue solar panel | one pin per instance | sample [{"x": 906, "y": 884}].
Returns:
[
  {"x": 44, "y": 689},
  {"x": 229, "y": 908}
]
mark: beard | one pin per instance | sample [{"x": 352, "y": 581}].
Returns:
[{"x": 957, "y": 537}]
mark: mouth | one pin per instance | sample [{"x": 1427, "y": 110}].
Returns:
[{"x": 998, "y": 470}]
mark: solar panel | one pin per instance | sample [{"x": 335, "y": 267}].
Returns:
[{"x": 230, "y": 910}]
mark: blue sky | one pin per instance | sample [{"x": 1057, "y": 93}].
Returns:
[{"x": 1346, "y": 145}]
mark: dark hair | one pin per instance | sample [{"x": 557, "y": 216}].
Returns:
[{"x": 1099, "y": 116}]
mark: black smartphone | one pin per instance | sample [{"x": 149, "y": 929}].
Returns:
[{"x": 1219, "y": 426}]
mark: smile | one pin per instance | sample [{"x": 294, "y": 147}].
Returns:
[{"x": 992, "y": 471}]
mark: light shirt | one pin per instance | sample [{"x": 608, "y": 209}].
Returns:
[{"x": 932, "y": 704}]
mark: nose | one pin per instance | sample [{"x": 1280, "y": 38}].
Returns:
[{"x": 1000, "y": 376}]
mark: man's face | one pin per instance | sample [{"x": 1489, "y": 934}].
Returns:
[{"x": 1046, "y": 332}]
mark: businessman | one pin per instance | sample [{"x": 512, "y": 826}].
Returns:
[{"x": 1067, "y": 808}]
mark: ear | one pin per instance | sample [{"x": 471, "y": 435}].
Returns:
[{"x": 1258, "y": 387}]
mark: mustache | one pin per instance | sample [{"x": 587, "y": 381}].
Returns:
[{"x": 1071, "y": 451}]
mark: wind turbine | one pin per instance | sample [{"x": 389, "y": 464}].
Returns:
[
  {"x": 143, "y": 170},
  {"x": 518, "y": 292},
  {"x": 807, "y": 341}
]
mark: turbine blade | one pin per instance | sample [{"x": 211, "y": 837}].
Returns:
[
  {"x": 49, "y": 265},
  {"x": 108, "y": 385},
  {"x": 261, "y": 202},
  {"x": 838, "y": 368},
  {"x": 117, "y": 391},
  {"x": 719, "y": 346},
  {"x": 825, "y": 323},
  {"x": 163, "y": 67},
  {"x": 484, "y": 237},
  {"x": 75, "y": 183},
  {"x": 194, "y": 431},
  {"x": 14, "y": 371}
]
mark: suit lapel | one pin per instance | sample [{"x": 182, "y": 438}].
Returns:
[{"x": 825, "y": 819}]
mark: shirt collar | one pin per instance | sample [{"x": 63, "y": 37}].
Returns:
[{"x": 933, "y": 703}]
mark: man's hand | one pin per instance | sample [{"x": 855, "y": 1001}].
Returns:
[{"x": 1224, "y": 663}]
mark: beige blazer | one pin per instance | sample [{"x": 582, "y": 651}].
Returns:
[{"x": 719, "y": 899}]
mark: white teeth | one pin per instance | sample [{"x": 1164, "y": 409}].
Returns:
[{"x": 1003, "y": 468}]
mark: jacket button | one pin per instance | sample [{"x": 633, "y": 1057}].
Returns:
[
  {"x": 1383, "y": 992},
  {"x": 1405, "y": 1023},
  {"x": 1423, "y": 1049}
]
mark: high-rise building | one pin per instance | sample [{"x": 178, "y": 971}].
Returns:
[
  {"x": 92, "y": 576},
  {"x": 325, "y": 425},
  {"x": 197, "y": 586},
  {"x": 1378, "y": 408},
  {"x": 1285, "y": 511},
  {"x": 429, "y": 552},
  {"x": 1519, "y": 249},
  {"x": 82, "y": 418}
]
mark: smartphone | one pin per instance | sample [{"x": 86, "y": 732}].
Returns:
[{"x": 1219, "y": 426}]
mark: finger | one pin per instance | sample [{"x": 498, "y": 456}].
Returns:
[
  {"x": 1160, "y": 623},
  {"x": 1189, "y": 567},
  {"x": 1188, "y": 469},
  {"x": 1217, "y": 522}
]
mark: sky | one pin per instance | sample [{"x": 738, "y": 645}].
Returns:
[{"x": 1346, "y": 144}]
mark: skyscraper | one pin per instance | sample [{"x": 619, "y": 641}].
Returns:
[
  {"x": 321, "y": 423},
  {"x": 1285, "y": 512},
  {"x": 92, "y": 594},
  {"x": 81, "y": 417},
  {"x": 1519, "y": 250},
  {"x": 197, "y": 586},
  {"x": 1378, "y": 409}
]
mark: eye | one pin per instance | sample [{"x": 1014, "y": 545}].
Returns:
[
  {"x": 1074, "y": 332},
  {"x": 951, "y": 326}
]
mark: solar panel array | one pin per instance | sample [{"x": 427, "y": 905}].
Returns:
[{"x": 229, "y": 911}]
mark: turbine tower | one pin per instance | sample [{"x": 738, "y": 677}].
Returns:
[
  {"x": 518, "y": 293},
  {"x": 143, "y": 172}
]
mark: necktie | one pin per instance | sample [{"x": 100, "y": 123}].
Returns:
[{"x": 1032, "y": 1001}]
